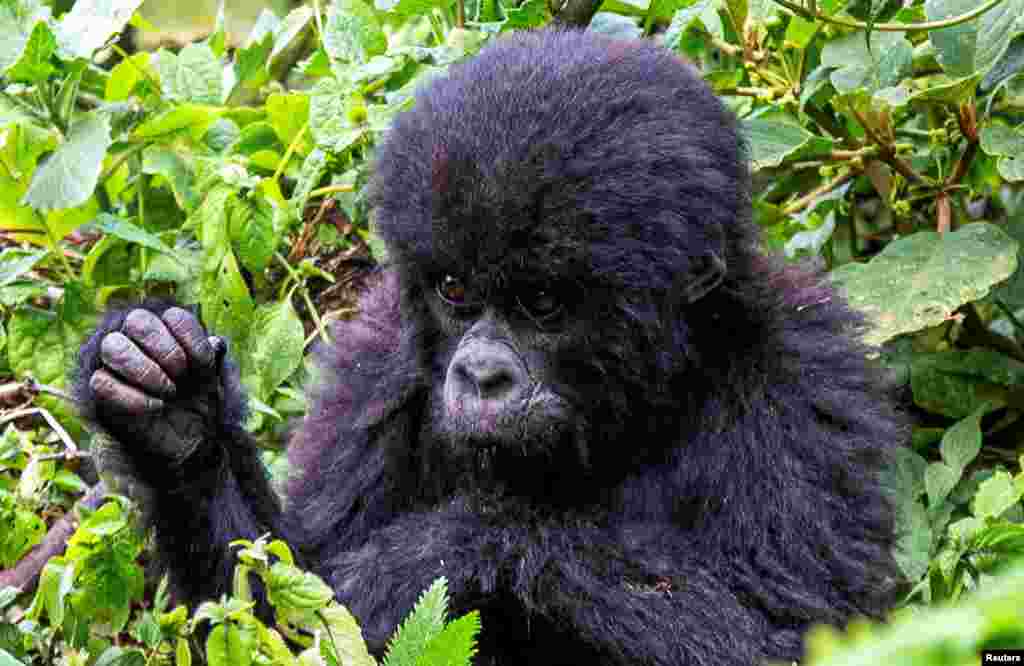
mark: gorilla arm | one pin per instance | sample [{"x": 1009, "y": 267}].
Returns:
[{"x": 170, "y": 406}]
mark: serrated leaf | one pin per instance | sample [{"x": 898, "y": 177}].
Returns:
[
  {"x": 996, "y": 495},
  {"x": 227, "y": 306},
  {"x": 252, "y": 232},
  {"x": 919, "y": 280},
  {"x": 423, "y": 625},
  {"x": 91, "y": 24},
  {"x": 193, "y": 75},
  {"x": 352, "y": 32},
  {"x": 329, "y": 121},
  {"x": 34, "y": 64},
  {"x": 68, "y": 177},
  {"x": 275, "y": 348},
  {"x": 231, "y": 644},
  {"x": 455, "y": 645},
  {"x": 18, "y": 21}
]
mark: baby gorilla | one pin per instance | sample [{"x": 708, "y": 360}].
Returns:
[{"x": 577, "y": 391}]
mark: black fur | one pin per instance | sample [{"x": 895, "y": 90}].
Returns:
[{"x": 723, "y": 492}]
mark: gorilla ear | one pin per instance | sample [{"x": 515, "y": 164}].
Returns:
[{"x": 707, "y": 272}]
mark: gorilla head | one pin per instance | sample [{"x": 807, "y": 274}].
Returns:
[{"x": 560, "y": 217}]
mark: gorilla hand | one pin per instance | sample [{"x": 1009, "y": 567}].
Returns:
[{"x": 152, "y": 379}]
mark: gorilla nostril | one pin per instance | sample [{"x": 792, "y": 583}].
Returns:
[{"x": 494, "y": 382}]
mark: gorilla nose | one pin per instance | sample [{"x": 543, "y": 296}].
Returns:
[{"x": 489, "y": 372}]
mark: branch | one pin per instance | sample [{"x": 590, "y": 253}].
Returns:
[
  {"x": 803, "y": 13},
  {"x": 24, "y": 574}
]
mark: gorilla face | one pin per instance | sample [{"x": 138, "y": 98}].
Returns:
[
  {"x": 549, "y": 254},
  {"x": 496, "y": 393}
]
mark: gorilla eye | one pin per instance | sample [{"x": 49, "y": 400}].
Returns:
[
  {"x": 452, "y": 290},
  {"x": 542, "y": 305}
]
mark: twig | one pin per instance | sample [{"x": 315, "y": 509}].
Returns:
[
  {"x": 809, "y": 198},
  {"x": 815, "y": 15},
  {"x": 71, "y": 449}
]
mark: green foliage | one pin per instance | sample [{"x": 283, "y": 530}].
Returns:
[{"x": 230, "y": 175}]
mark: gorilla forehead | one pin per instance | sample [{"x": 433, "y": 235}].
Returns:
[{"x": 547, "y": 149}]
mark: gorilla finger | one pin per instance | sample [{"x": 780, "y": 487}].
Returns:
[
  {"x": 122, "y": 356},
  {"x": 123, "y": 397},
  {"x": 149, "y": 332},
  {"x": 189, "y": 333}
]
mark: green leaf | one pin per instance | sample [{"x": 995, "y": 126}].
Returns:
[
  {"x": 290, "y": 28},
  {"x": 251, "y": 224},
  {"x": 353, "y": 33},
  {"x": 887, "y": 62},
  {"x": 913, "y": 546},
  {"x": 18, "y": 22},
  {"x": 288, "y": 113},
  {"x": 125, "y": 230},
  {"x": 227, "y": 306},
  {"x": 193, "y": 75},
  {"x": 275, "y": 348},
  {"x": 423, "y": 625},
  {"x": 127, "y": 75},
  {"x": 973, "y": 47},
  {"x": 455, "y": 645},
  {"x": 14, "y": 263},
  {"x": 347, "y": 636},
  {"x": 172, "y": 167},
  {"x": 330, "y": 120},
  {"x": 91, "y": 24},
  {"x": 956, "y": 383},
  {"x": 919, "y": 280},
  {"x": 252, "y": 61},
  {"x": 194, "y": 118},
  {"x": 999, "y": 140},
  {"x": 289, "y": 587},
  {"x": 996, "y": 496},
  {"x": 230, "y": 644},
  {"x": 939, "y": 480},
  {"x": 312, "y": 172},
  {"x": 69, "y": 175},
  {"x": 962, "y": 441},
  {"x": 34, "y": 64},
  {"x": 771, "y": 141},
  {"x": 44, "y": 344}
]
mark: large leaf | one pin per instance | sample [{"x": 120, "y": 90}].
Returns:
[
  {"x": 771, "y": 141},
  {"x": 92, "y": 23},
  {"x": 918, "y": 281},
  {"x": 353, "y": 33},
  {"x": 194, "y": 75},
  {"x": 274, "y": 350},
  {"x": 974, "y": 46},
  {"x": 44, "y": 344},
  {"x": 69, "y": 176}
]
